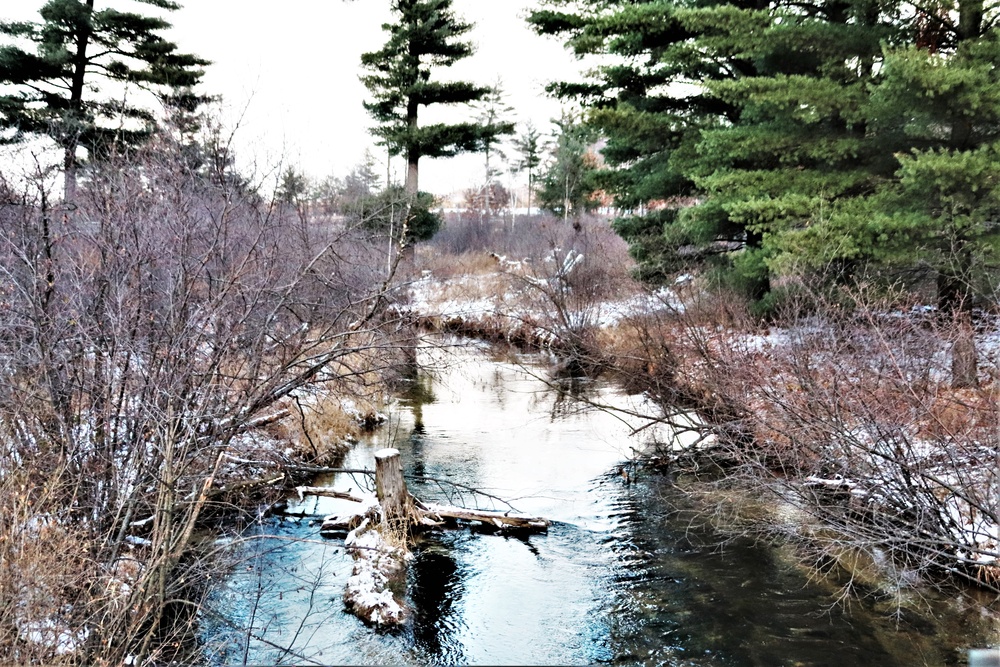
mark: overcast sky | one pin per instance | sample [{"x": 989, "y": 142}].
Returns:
[
  {"x": 296, "y": 72},
  {"x": 288, "y": 73}
]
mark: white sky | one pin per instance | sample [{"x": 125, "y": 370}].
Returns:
[{"x": 288, "y": 73}]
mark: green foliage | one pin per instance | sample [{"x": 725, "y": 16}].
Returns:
[
  {"x": 293, "y": 187},
  {"x": 388, "y": 211},
  {"x": 529, "y": 150},
  {"x": 568, "y": 183},
  {"x": 76, "y": 45},
  {"x": 493, "y": 108},
  {"x": 528, "y": 145},
  {"x": 805, "y": 140},
  {"x": 425, "y": 36}
]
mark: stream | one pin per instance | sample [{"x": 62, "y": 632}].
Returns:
[{"x": 621, "y": 577}]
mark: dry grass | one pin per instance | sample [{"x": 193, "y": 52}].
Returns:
[
  {"x": 45, "y": 575},
  {"x": 446, "y": 266}
]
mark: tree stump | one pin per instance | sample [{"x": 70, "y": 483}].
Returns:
[{"x": 398, "y": 511}]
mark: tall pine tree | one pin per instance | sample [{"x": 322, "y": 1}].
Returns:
[
  {"x": 647, "y": 101},
  {"x": 797, "y": 138},
  {"x": 77, "y": 48},
  {"x": 425, "y": 37},
  {"x": 934, "y": 111},
  {"x": 529, "y": 148}
]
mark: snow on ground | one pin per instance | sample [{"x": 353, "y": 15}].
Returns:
[
  {"x": 53, "y": 633},
  {"x": 463, "y": 297}
]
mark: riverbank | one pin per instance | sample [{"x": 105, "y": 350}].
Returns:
[
  {"x": 172, "y": 353},
  {"x": 631, "y": 570},
  {"x": 851, "y": 417}
]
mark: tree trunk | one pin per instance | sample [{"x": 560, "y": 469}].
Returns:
[
  {"x": 70, "y": 140},
  {"x": 530, "y": 186},
  {"x": 412, "y": 154},
  {"x": 390, "y": 487}
]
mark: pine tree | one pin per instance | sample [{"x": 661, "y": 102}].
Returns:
[
  {"x": 568, "y": 184},
  {"x": 76, "y": 47},
  {"x": 425, "y": 37},
  {"x": 935, "y": 112},
  {"x": 529, "y": 148},
  {"x": 799, "y": 148},
  {"x": 848, "y": 139},
  {"x": 643, "y": 103},
  {"x": 294, "y": 186},
  {"x": 492, "y": 109}
]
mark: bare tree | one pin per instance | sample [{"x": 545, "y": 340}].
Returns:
[{"x": 145, "y": 339}]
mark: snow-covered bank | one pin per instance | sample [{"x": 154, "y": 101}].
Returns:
[{"x": 861, "y": 406}]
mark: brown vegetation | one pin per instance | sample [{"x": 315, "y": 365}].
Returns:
[
  {"x": 874, "y": 417},
  {"x": 168, "y": 344}
]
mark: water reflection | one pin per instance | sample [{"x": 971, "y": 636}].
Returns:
[
  {"x": 436, "y": 585},
  {"x": 685, "y": 599},
  {"x": 622, "y": 577}
]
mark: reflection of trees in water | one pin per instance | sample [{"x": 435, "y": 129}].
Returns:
[
  {"x": 418, "y": 467},
  {"x": 569, "y": 395},
  {"x": 419, "y": 392},
  {"x": 436, "y": 585}
]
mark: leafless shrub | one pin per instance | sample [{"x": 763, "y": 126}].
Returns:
[
  {"x": 849, "y": 415},
  {"x": 145, "y": 338},
  {"x": 570, "y": 282},
  {"x": 861, "y": 408}
]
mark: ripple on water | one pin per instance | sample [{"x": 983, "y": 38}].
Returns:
[{"x": 620, "y": 578}]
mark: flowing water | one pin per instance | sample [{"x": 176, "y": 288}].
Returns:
[{"x": 621, "y": 577}]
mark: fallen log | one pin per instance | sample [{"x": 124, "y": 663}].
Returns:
[
  {"x": 327, "y": 492},
  {"x": 493, "y": 519},
  {"x": 340, "y": 524},
  {"x": 379, "y": 530},
  {"x": 378, "y": 544},
  {"x": 367, "y": 593}
]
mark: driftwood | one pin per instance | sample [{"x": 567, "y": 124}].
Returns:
[
  {"x": 401, "y": 508},
  {"x": 499, "y": 520},
  {"x": 378, "y": 529},
  {"x": 327, "y": 492},
  {"x": 438, "y": 516}
]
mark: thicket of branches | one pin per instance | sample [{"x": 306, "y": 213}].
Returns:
[
  {"x": 145, "y": 334},
  {"x": 852, "y": 411}
]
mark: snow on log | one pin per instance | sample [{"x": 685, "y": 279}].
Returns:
[
  {"x": 367, "y": 594},
  {"x": 380, "y": 529},
  {"x": 501, "y": 520},
  {"x": 338, "y": 524}
]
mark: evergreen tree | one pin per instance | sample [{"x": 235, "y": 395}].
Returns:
[
  {"x": 362, "y": 179},
  {"x": 294, "y": 186},
  {"x": 76, "y": 47},
  {"x": 529, "y": 148},
  {"x": 643, "y": 103},
  {"x": 492, "y": 109},
  {"x": 568, "y": 184},
  {"x": 794, "y": 138},
  {"x": 935, "y": 113},
  {"x": 393, "y": 213},
  {"x": 425, "y": 37},
  {"x": 800, "y": 146}
]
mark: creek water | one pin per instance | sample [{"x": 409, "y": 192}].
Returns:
[{"x": 621, "y": 577}]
